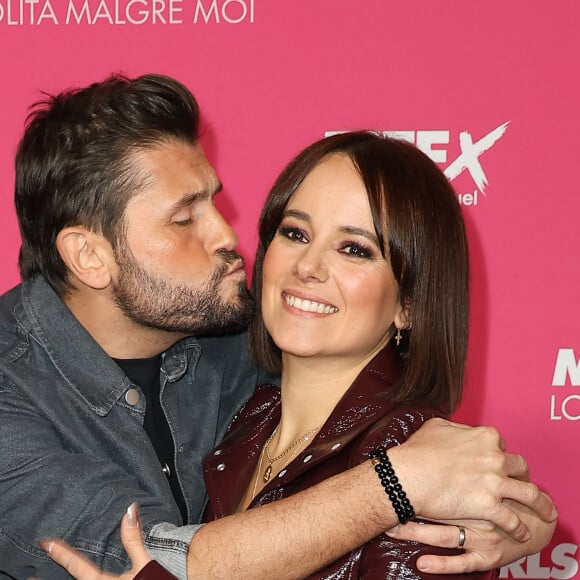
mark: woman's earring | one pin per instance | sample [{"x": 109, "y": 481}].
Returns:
[
  {"x": 398, "y": 337},
  {"x": 402, "y": 341}
]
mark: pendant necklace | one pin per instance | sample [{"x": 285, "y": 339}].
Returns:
[{"x": 272, "y": 460}]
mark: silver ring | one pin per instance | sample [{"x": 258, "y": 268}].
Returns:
[{"x": 461, "y": 536}]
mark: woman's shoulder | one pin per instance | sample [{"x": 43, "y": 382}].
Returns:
[
  {"x": 266, "y": 397},
  {"x": 397, "y": 426}
]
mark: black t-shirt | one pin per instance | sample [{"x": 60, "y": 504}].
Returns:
[{"x": 145, "y": 373}]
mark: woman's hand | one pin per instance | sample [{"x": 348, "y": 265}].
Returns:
[
  {"x": 80, "y": 567},
  {"x": 486, "y": 546}
]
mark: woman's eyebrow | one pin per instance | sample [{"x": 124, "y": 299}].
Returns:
[
  {"x": 351, "y": 230},
  {"x": 295, "y": 213},
  {"x": 356, "y": 231}
]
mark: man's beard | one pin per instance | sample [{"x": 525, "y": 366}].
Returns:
[{"x": 164, "y": 305}]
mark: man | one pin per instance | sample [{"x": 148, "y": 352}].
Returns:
[{"x": 122, "y": 361}]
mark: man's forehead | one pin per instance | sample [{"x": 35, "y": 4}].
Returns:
[{"x": 176, "y": 164}]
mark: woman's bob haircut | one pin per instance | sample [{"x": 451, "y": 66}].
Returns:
[{"x": 418, "y": 221}]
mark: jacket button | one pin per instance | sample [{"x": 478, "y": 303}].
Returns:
[
  {"x": 166, "y": 470},
  {"x": 132, "y": 397}
]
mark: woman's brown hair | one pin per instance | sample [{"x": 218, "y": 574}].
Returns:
[{"x": 419, "y": 224}]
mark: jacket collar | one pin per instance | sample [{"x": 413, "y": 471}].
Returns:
[
  {"x": 367, "y": 400},
  {"x": 83, "y": 364}
]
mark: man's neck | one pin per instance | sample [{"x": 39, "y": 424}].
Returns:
[{"x": 116, "y": 334}]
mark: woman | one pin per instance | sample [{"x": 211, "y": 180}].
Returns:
[{"x": 361, "y": 284}]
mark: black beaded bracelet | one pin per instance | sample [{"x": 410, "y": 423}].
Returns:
[{"x": 390, "y": 482}]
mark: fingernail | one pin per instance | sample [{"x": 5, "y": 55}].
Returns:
[
  {"x": 47, "y": 545},
  {"x": 132, "y": 515},
  {"x": 424, "y": 565},
  {"x": 554, "y": 514},
  {"x": 392, "y": 531}
]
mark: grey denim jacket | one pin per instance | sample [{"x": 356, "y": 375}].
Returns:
[{"x": 73, "y": 451}]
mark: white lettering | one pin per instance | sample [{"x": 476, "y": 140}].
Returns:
[
  {"x": 566, "y": 413},
  {"x": 103, "y": 12},
  {"x": 118, "y": 20},
  {"x": 426, "y": 140},
  {"x": 242, "y": 10},
  {"x": 566, "y": 365},
  {"x": 206, "y": 15},
  {"x": 470, "y": 153},
  {"x": 142, "y": 13},
  {"x": 514, "y": 570},
  {"x": 563, "y": 559},
  {"x": 84, "y": 13},
  {"x": 468, "y": 198},
  {"x": 126, "y": 12},
  {"x": 32, "y": 4},
  {"x": 27, "y": 12},
  {"x": 563, "y": 565},
  {"x": 534, "y": 569},
  {"x": 47, "y": 13},
  {"x": 175, "y": 9},
  {"x": 233, "y": 20},
  {"x": 467, "y": 159},
  {"x": 15, "y": 22}
]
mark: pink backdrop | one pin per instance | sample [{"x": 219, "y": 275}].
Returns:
[{"x": 490, "y": 89}]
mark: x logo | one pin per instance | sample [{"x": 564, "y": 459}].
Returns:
[{"x": 470, "y": 153}]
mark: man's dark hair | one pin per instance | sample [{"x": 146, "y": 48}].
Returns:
[{"x": 74, "y": 163}]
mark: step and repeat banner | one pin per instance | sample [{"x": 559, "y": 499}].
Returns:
[{"x": 488, "y": 89}]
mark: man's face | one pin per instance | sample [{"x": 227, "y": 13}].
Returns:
[{"x": 177, "y": 268}]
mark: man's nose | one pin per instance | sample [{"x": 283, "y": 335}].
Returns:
[{"x": 221, "y": 234}]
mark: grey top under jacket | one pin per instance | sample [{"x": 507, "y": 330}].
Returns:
[{"x": 73, "y": 451}]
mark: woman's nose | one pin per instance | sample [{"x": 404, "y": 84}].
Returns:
[{"x": 310, "y": 266}]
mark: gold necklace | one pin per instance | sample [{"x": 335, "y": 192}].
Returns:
[{"x": 272, "y": 460}]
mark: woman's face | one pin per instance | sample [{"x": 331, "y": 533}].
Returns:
[{"x": 327, "y": 290}]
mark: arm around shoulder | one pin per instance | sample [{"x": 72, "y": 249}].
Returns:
[{"x": 296, "y": 536}]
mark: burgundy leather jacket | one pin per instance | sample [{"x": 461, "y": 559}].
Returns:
[
  {"x": 363, "y": 419},
  {"x": 154, "y": 571}
]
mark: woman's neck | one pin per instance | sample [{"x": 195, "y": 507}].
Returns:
[{"x": 310, "y": 389}]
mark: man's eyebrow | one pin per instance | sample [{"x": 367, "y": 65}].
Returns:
[{"x": 194, "y": 196}]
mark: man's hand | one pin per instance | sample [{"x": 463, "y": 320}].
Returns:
[
  {"x": 80, "y": 567},
  {"x": 451, "y": 471}
]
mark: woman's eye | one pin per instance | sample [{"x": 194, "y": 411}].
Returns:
[
  {"x": 356, "y": 250},
  {"x": 293, "y": 233}
]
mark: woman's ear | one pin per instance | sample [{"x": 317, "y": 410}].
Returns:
[
  {"x": 403, "y": 316},
  {"x": 87, "y": 255}
]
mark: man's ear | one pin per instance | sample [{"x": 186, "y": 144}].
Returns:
[{"x": 87, "y": 255}]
